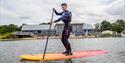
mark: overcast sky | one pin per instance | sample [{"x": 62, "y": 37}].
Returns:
[{"x": 37, "y": 11}]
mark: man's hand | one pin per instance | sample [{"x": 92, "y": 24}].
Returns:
[
  {"x": 55, "y": 21},
  {"x": 51, "y": 22},
  {"x": 53, "y": 9}
]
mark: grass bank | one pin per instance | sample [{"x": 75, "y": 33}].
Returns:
[{"x": 7, "y": 36}]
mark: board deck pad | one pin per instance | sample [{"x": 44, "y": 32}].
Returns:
[{"x": 60, "y": 56}]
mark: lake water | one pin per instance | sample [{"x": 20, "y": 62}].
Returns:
[{"x": 10, "y": 50}]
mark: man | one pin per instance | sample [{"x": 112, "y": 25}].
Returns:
[{"x": 66, "y": 18}]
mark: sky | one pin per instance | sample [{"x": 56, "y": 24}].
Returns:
[{"x": 38, "y": 11}]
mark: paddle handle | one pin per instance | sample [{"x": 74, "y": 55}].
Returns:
[{"x": 48, "y": 35}]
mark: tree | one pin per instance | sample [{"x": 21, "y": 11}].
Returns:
[
  {"x": 118, "y": 26},
  {"x": 97, "y": 26},
  {"x": 8, "y": 28},
  {"x": 3, "y": 29},
  {"x": 120, "y": 22},
  {"x": 105, "y": 25},
  {"x": 12, "y": 28}
]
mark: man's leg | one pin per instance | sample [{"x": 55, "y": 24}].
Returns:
[
  {"x": 66, "y": 43},
  {"x": 69, "y": 47}
]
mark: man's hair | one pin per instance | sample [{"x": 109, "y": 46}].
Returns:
[{"x": 64, "y": 4}]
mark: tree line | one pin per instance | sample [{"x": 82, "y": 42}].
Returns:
[
  {"x": 8, "y": 28},
  {"x": 117, "y": 26}
]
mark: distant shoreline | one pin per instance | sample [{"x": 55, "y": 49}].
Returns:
[{"x": 40, "y": 38}]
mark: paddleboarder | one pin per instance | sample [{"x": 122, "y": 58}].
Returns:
[{"x": 66, "y": 17}]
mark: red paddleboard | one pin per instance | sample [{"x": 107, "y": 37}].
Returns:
[{"x": 60, "y": 56}]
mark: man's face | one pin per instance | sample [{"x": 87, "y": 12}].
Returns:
[{"x": 64, "y": 7}]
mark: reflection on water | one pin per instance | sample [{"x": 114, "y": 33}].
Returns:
[
  {"x": 10, "y": 50},
  {"x": 68, "y": 61}
]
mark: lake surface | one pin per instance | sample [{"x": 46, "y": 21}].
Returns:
[{"x": 10, "y": 50}]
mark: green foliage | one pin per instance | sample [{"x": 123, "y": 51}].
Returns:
[
  {"x": 118, "y": 26},
  {"x": 105, "y": 25},
  {"x": 121, "y": 23},
  {"x": 3, "y": 29},
  {"x": 6, "y": 35},
  {"x": 8, "y": 28}
]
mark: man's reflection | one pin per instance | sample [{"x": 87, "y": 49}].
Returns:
[{"x": 68, "y": 61}]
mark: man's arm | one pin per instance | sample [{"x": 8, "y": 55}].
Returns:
[
  {"x": 63, "y": 17},
  {"x": 57, "y": 13}
]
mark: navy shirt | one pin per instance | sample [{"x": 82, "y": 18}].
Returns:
[{"x": 65, "y": 16}]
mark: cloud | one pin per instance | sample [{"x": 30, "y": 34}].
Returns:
[
  {"x": 116, "y": 8},
  {"x": 96, "y": 11},
  {"x": 35, "y": 12}
]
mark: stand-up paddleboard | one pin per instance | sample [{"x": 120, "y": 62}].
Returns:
[{"x": 60, "y": 56}]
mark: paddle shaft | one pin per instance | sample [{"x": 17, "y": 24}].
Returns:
[{"x": 48, "y": 36}]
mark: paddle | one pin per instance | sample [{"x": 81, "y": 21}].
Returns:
[{"x": 48, "y": 36}]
